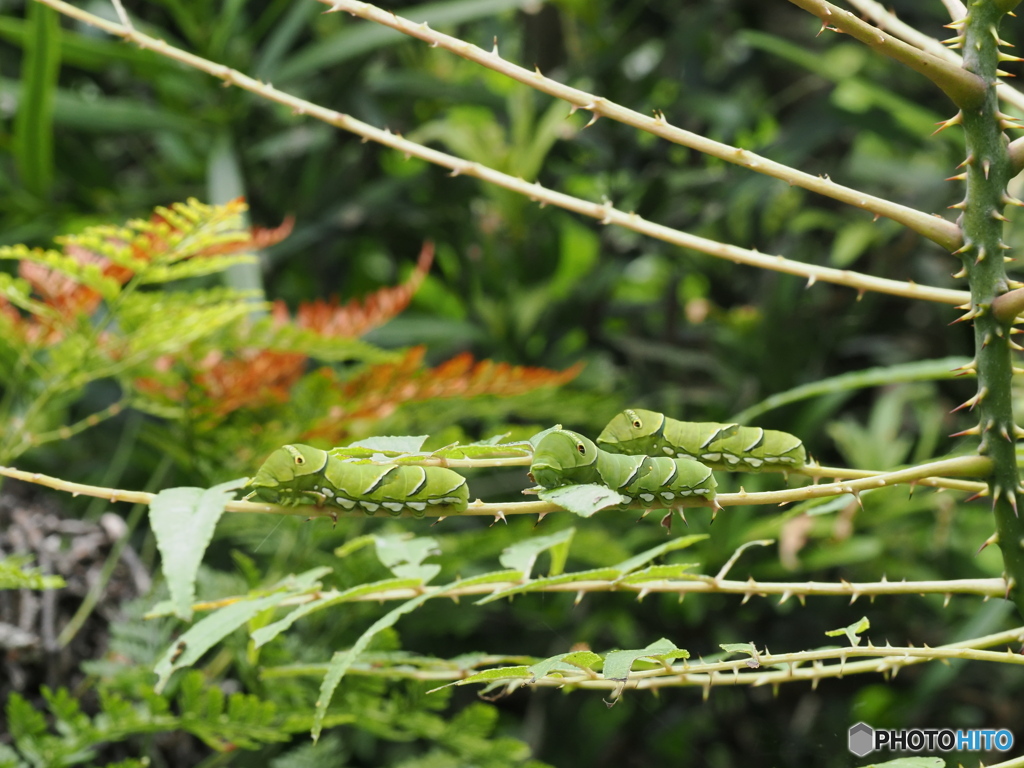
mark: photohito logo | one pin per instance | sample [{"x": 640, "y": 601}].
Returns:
[{"x": 863, "y": 739}]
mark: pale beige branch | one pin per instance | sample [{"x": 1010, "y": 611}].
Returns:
[
  {"x": 963, "y": 465},
  {"x": 943, "y": 232},
  {"x": 888, "y": 21},
  {"x": 606, "y": 213}
]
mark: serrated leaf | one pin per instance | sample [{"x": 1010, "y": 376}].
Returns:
[
  {"x": 658, "y": 572},
  {"x": 853, "y": 631},
  {"x": 264, "y": 635},
  {"x": 626, "y": 566},
  {"x": 583, "y": 500},
  {"x": 538, "y": 585},
  {"x": 522, "y": 555},
  {"x": 342, "y": 660},
  {"x": 617, "y": 664},
  {"x": 485, "y": 450},
  {"x": 571, "y": 662},
  {"x": 498, "y": 673},
  {"x": 183, "y": 520},
  {"x": 392, "y": 445},
  {"x": 209, "y": 631}
]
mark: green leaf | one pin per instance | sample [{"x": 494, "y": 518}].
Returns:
[
  {"x": 183, "y": 520},
  {"x": 571, "y": 662},
  {"x": 853, "y": 631},
  {"x": 522, "y": 555},
  {"x": 386, "y": 445},
  {"x": 538, "y": 585},
  {"x": 626, "y": 566},
  {"x": 264, "y": 635},
  {"x": 658, "y": 572},
  {"x": 342, "y": 660},
  {"x": 404, "y": 556},
  {"x": 583, "y": 500},
  {"x": 206, "y": 633},
  {"x": 617, "y": 664}
]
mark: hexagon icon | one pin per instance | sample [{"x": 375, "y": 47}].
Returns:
[{"x": 861, "y": 739}]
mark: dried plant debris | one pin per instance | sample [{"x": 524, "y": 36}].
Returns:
[{"x": 38, "y": 641}]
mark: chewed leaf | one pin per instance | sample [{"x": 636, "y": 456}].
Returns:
[
  {"x": 523, "y": 554},
  {"x": 485, "y": 450},
  {"x": 853, "y": 631},
  {"x": 571, "y": 662},
  {"x": 539, "y": 585},
  {"x": 748, "y": 648},
  {"x": 659, "y": 572},
  {"x": 183, "y": 520},
  {"x": 388, "y": 445},
  {"x": 617, "y": 664},
  {"x": 213, "y": 628},
  {"x": 627, "y": 566},
  {"x": 583, "y": 500}
]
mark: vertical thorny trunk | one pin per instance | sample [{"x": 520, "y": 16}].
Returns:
[{"x": 987, "y": 173}]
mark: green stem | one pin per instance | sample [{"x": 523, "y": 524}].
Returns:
[{"x": 989, "y": 168}]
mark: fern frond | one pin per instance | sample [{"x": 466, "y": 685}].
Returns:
[
  {"x": 358, "y": 317},
  {"x": 380, "y": 390}
]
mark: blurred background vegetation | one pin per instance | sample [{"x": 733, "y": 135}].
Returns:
[{"x": 656, "y": 327}]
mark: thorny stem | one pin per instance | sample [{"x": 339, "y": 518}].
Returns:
[
  {"x": 606, "y": 213},
  {"x": 963, "y": 465},
  {"x": 690, "y": 584},
  {"x": 805, "y": 666},
  {"x": 943, "y": 232},
  {"x": 988, "y": 171}
]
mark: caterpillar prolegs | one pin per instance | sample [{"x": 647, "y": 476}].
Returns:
[
  {"x": 567, "y": 458},
  {"x": 300, "y": 474},
  {"x": 720, "y": 446}
]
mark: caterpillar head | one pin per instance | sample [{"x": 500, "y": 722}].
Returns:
[
  {"x": 628, "y": 426},
  {"x": 283, "y": 474},
  {"x": 557, "y": 454}
]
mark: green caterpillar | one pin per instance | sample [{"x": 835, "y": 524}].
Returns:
[
  {"x": 720, "y": 446},
  {"x": 567, "y": 458},
  {"x": 300, "y": 474}
]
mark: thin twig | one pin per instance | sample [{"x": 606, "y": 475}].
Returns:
[
  {"x": 943, "y": 232},
  {"x": 606, "y": 213}
]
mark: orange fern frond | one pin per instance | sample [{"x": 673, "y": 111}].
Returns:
[
  {"x": 379, "y": 391},
  {"x": 359, "y": 316}
]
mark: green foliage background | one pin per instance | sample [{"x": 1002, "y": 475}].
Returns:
[{"x": 658, "y": 327}]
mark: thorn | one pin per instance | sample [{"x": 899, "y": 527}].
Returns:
[
  {"x": 811, "y": 281},
  {"x": 579, "y": 598},
  {"x": 966, "y": 246},
  {"x": 499, "y": 515},
  {"x": 959, "y": 274},
  {"x": 443, "y": 517},
  {"x": 645, "y": 514},
  {"x": 981, "y": 255},
  {"x": 592, "y": 120},
  {"x": 666, "y": 522},
  {"x": 958, "y": 177},
  {"x": 683, "y": 516},
  {"x": 972, "y": 401},
  {"x": 975, "y": 430},
  {"x": 960, "y": 206},
  {"x": 1012, "y": 498},
  {"x": 540, "y": 517},
  {"x": 494, "y": 50},
  {"x": 986, "y": 166},
  {"x": 998, "y": 216},
  {"x": 956, "y": 119}
]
